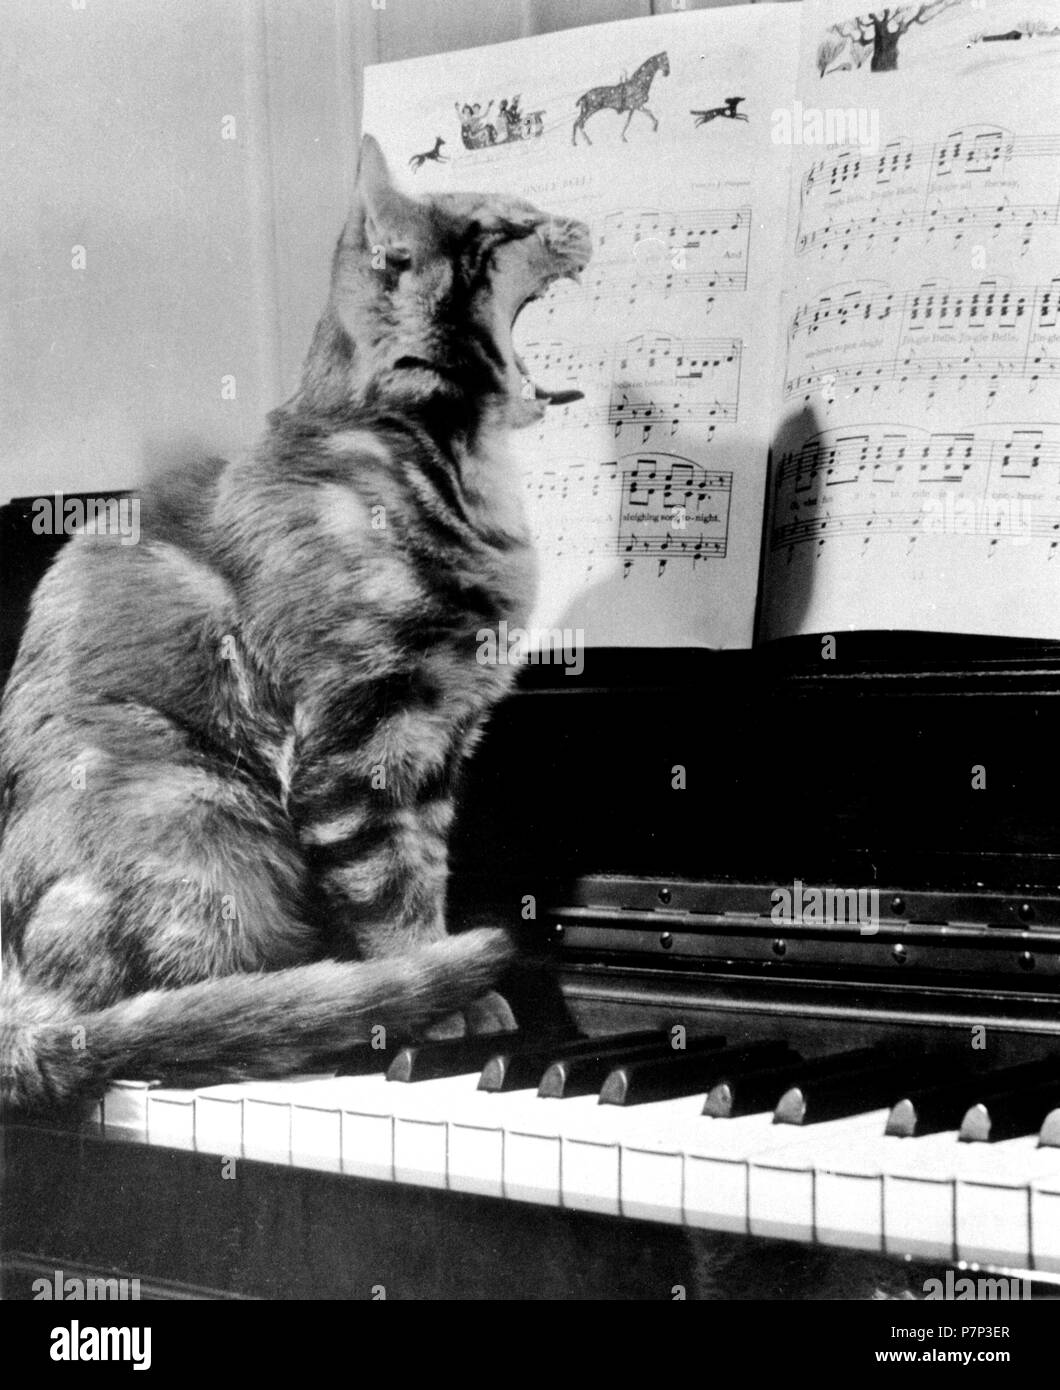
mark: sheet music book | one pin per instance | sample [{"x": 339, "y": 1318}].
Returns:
[{"x": 821, "y": 240}]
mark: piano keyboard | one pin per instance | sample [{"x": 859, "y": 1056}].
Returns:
[{"x": 840, "y": 1182}]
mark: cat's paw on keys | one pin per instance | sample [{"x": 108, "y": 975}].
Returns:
[{"x": 489, "y": 1014}]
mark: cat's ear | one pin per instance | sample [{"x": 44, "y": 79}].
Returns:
[
  {"x": 373, "y": 175},
  {"x": 380, "y": 210}
]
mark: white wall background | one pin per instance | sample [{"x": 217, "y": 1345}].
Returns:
[{"x": 204, "y": 257}]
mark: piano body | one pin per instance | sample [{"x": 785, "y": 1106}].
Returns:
[{"x": 879, "y": 1072}]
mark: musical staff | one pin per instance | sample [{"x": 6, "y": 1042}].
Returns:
[
  {"x": 637, "y": 285},
  {"x": 664, "y": 547},
  {"x": 645, "y": 255},
  {"x": 870, "y": 376},
  {"x": 878, "y": 480},
  {"x": 1024, "y": 218},
  {"x": 650, "y": 381},
  {"x": 969, "y": 152},
  {"x": 688, "y": 230},
  {"x": 645, "y": 506},
  {"x": 880, "y": 455},
  {"x": 934, "y": 304},
  {"x": 646, "y": 355},
  {"x": 672, "y": 509},
  {"x": 650, "y": 416},
  {"x": 914, "y": 524}
]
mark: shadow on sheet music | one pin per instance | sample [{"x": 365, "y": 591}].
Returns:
[
  {"x": 688, "y": 541},
  {"x": 787, "y": 584}
]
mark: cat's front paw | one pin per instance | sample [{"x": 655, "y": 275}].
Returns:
[{"x": 489, "y": 1014}]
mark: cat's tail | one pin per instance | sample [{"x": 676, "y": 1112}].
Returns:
[{"x": 269, "y": 1024}]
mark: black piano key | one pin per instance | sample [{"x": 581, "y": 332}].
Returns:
[
  {"x": 757, "y": 1090},
  {"x": 516, "y": 1069},
  {"x": 584, "y": 1075},
  {"x": 1009, "y": 1114},
  {"x": 681, "y": 1073},
  {"x": 938, "y": 1108},
  {"x": 450, "y": 1056},
  {"x": 360, "y": 1061},
  {"x": 1049, "y": 1137},
  {"x": 870, "y": 1088}
]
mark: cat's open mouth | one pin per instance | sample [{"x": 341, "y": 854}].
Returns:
[{"x": 543, "y": 393}]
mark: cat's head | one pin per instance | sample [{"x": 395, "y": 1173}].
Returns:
[{"x": 425, "y": 293}]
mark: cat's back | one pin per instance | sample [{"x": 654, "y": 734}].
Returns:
[{"x": 123, "y": 615}]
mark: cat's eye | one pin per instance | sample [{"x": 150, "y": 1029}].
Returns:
[
  {"x": 501, "y": 229},
  {"x": 515, "y": 229}
]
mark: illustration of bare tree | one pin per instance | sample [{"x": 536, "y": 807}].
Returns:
[{"x": 882, "y": 31}]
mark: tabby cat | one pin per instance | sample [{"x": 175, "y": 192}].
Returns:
[{"x": 228, "y": 753}]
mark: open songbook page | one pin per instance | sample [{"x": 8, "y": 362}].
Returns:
[
  {"x": 647, "y": 495},
  {"x": 916, "y": 479},
  {"x": 814, "y": 233}
]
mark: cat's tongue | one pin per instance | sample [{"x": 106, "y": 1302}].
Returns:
[{"x": 541, "y": 393}]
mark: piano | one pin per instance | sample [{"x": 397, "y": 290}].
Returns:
[{"x": 726, "y": 1083}]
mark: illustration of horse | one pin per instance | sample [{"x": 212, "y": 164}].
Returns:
[
  {"x": 419, "y": 160},
  {"x": 728, "y": 110},
  {"x": 631, "y": 94}
]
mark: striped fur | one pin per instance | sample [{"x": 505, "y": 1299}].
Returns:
[{"x": 229, "y": 753}]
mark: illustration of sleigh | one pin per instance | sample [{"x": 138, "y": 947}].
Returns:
[{"x": 480, "y": 129}]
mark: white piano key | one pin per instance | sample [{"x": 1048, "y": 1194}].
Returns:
[
  {"x": 919, "y": 1217},
  {"x": 368, "y": 1128},
  {"x": 1045, "y": 1224},
  {"x": 653, "y": 1185},
  {"x": 316, "y": 1127},
  {"x": 716, "y": 1170},
  {"x": 590, "y": 1171},
  {"x": 993, "y": 1199},
  {"x": 654, "y": 1142},
  {"x": 538, "y": 1169},
  {"x": 219, "y": 1120},
  {"x": 266, "y": 1114},
  {"x": 479, "y": 1124},
  {"x": 171, "y": 1118},
  {"x": 848, "y": 1197},
  {"x": 628, "y": 1160},
  {"x": 125, "y": 1110},
  {"x": 533, "y": 1154},
  {"x": 421, "y": 1127},
  {"x": 475, "y": 1159},
  {"x": 267, "y": 1121},
  {"x": 782, "y": 1178}
]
